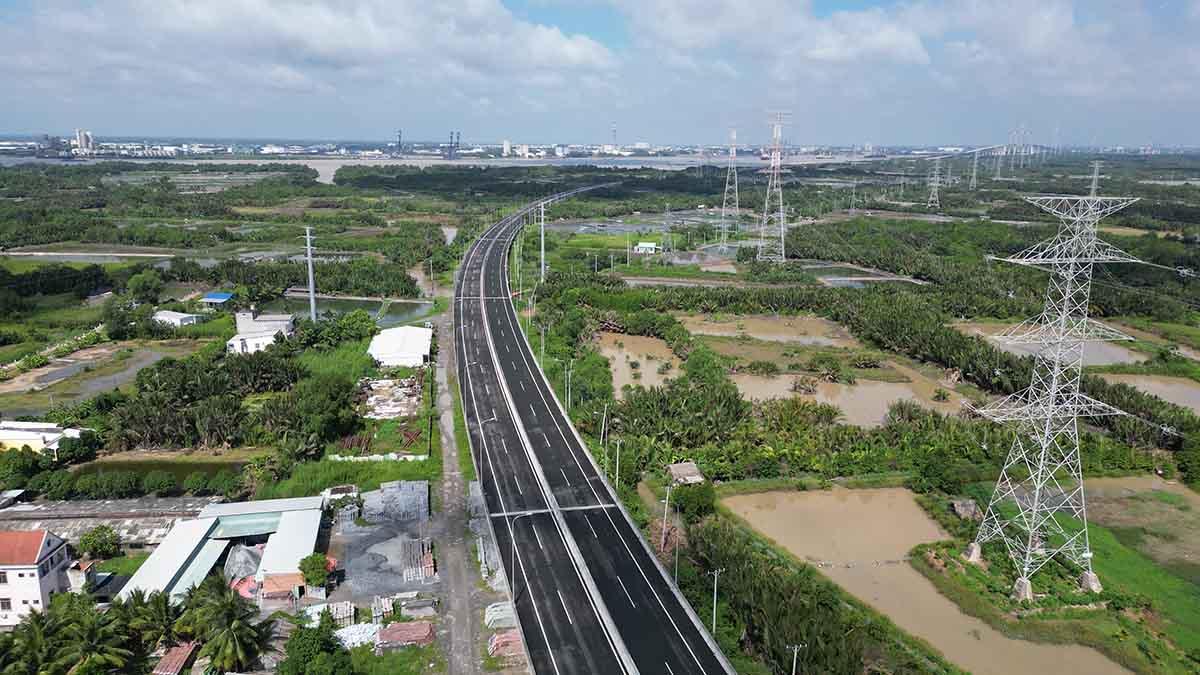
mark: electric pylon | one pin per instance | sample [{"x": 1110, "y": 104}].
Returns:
[
  {"x": 1042, "y": 476},
  {"x": 975, "y": 170},
  {"x": 773, "y": 227},
  {"x": 666, "y": 246},
  {"x": 1095, "y": 177},
  {"x": 730, "y": 203},
  {"x": 935, "y": 180}
]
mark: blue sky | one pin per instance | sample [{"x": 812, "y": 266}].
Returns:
[{"x": 665, "y": 71}]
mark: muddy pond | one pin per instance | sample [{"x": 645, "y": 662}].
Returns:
[
  {"x": 1094, "y": 353},
  {"x": 655, "y": 362},
  {"x": 861, "y": 538},
  {"x": 864, "y": 403},
  {"x": 1178, "y": 390},
  {"x": 805, "y": 330}
]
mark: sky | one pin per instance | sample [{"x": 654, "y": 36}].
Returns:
[{"x": 885, "y": 72}]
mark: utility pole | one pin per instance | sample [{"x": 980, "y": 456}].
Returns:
[
  {"x": 714, "y": 574},
  {"x": 617, "y": 474},
  {"x": 542, "y": 210},
  {"x": 796, "y": 652},
  {"x": 312, "y": 286},
  {"x": 666, "y": 506}
]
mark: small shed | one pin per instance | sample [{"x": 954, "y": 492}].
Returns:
[
  {"x": 176, "y": 659},
  {"x": 402, "y": 346},
  {"x": 176, "y": 319},
  {"x": 645, "y": 248},
  {"x": 216, "y": 298},
  {"x": 685, "y": 473}
]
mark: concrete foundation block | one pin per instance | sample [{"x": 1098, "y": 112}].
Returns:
[
  {"x": 1022, "y": 590},
  {"x": 1089, "y": 582},
  {"x": 974, "y": 554}
]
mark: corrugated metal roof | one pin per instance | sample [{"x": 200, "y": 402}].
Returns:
[
  {"x": 263, "y": 506},
  {"x": 295, "y": 539},
  {"x": 248, "y": 525},
  {"x": 164, "y": 567},
  {"x": 200, "y": 566}
]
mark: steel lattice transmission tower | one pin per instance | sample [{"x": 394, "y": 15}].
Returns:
[
  {"x": 935, "y": 181},
  {"x": 1042, "y": 474},
  {"x": 730, "y": 203},
  {"x": 975, "y": 170},
  {"x": 773, "y": 227}
]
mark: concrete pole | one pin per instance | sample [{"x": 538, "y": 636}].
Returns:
[
  {"x": 617, "y": 474},
  {"x": 542, "y": 209},
  {"x": 312, "y": 286},
  {"x": 795, "y": 653},
  {"x": 715, "y": 573},
  {"x": 666, "y": 507}
]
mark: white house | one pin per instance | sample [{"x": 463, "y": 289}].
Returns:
[
  {"x": 33, "y": 567},
  {"x": 256, "y": 332},
  {"x": 402, "y": 346},
  {"x": 176, "y": 319},
  {"x": 645, "y": 248},
  {"x": 39, "y": 436}
]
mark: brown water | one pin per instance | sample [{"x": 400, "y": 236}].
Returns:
[
  {"x": 853, "y": 530},
  {"x": 1094, "y": 353},
  {"x": 722, "y": 267},
  {"x": 808, "y": 330},
  {"x": 864, "y": 403},
  {"x": 650, "y": 353},
  {"x": 1178, "y": 390}
]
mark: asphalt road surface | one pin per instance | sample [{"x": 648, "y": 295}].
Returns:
[{"x": 590, "y": 597}]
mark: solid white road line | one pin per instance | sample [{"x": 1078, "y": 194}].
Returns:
[
  {"x": 589, "y": 523},
  {"x": 564, "y": 473},
  {"x": 533, "y": 526}
]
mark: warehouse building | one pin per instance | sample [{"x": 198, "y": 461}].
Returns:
[
  {"x": 402, "y": 346},
  {"x": 284, "y": 531}
]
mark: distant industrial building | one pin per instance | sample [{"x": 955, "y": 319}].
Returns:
[
  {"x": 177, "y": 319},
  {"x": 33, "y": 567},
  {"x": 84, "y": 143},
  {"x": 506, "y": 149},
  {"x": 256, "y": 332},
  {"x": 402, "y": 346},
  {"x": 273, "y": 534}
]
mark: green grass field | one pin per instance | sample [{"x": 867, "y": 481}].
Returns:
[
  {"x": 350, "y": 358},
  {"x": 310, "y": 478},
  {"x": 125, "y": 565}
]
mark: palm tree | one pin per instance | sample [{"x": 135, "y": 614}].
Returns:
[
  {"x": 156, "y": 620},
  {"x": 93, "y": 644},
  {"x": 225, "y": 621},
  {"x": 33, "y": 646}
]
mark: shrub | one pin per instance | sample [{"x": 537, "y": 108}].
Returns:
[
  {"x": 118, "y": 485},
  {"x": 314, "y": 570},
  {"x": 79, "y": 450},
  {"x": 100, "y": 542},
  {"x": 694, "y": 502},
  {"x": 196, "y": 483},
  {"x": 52, "y": 484},
  {"x": 87, "y": 486},
  {"x": 160, "y": 483},
  {"x": 224, "y": 482}
]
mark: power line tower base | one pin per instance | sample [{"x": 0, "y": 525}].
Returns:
[
  {"x": 1022, "y": 590},
  {"x": 974, "y": 554},
  {"x": 1089, "y": 582}
]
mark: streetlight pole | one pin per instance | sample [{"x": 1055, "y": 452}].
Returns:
[
  {"x": 795, "y": 652},
  {"x": 617, "y": 474},
  {"x": 542, "y": 209},
  {"x": 715, "y": 573}
]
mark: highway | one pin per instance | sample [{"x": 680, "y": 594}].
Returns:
[{"x": 589, "y": 595}]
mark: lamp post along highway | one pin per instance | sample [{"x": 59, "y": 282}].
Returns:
[
  {"x": 542, "y": 211},
  {"x": 666, "y": 506},
  {"x": 715, "y": 573}
]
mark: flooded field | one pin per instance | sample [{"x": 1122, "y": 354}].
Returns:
[
  {"x": 862, "y": 538},
  {"x": 1094, "y": 353},
  {"x": 1158, "y": 518},
  {"x": 864, "y": 403},
  {"x": 623, "y": 351},
  {"x": 722, "y": 267},
  {"x": 807, "y": 330},
  {"x": 1178, "y": 390}
]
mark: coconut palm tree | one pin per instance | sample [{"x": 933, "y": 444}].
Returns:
[
  {"x": 93, "y": 644},
  {"x": 226, "y": 622},
  {"x": 33, "y": 646},
  {"x": 156, "y": 620}
]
